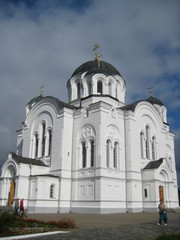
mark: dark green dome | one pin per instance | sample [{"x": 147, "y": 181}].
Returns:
[
  {"x": 92, "y": 67},
  {"x": 153, "y": 100}
]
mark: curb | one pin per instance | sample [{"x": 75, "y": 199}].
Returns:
[{"x": 33, "y": 235}]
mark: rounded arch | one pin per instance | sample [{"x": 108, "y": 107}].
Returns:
[
  {"x": 146, "y": 109},
  {"x": 113, "y": 134},
  {"x": 9, "y": 169},
  {"x": 164, "y": 174},
  {"x": 87, "y": 131},
  {"x": 46, "y": 106}
]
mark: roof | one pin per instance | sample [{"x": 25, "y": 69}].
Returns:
[
  {"x": 154, "y": 164},
  {"x": 25, "y": 160},
  {"x": 91, "y": 67},
  {"x": 131, "y": 106},
  {"x": 60, "y": 103},
  {"x": 151, "y": 100},
  {"x": 45, "y": 175},
  {"x": 34, "y": 100}
]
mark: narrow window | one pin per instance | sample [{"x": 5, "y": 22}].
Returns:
[
  {"x": 99, "y": 87},
  {"x": 83, "y": 154},
  {"x": 92, "y": 153},
  {"x": 110, "y": 88},
  {"x": 153, "y": 148},
  {"x": 52, "y": 191},
  {"x": 115, "y": 154},
  {"x": 108, "y": 153},
  {"x": 89, "y": 88},
  {"x": 78, "y": 90},
  {"x": 43, "y": 138},
  {"x": 145, "y": 193},
  {"x": 147, "y": 142},
  {"x": 141, "y": 144},
  {"x": 50, "y": 142},
  {"x": 36, "y": 145}
]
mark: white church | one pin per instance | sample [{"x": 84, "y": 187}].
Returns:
[{"x": 94, "y": 154}]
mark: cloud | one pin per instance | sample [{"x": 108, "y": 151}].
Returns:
[{"x": 45, "y": 41}]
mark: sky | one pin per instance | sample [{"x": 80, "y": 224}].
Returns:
[{"x": 44, "y": 41}]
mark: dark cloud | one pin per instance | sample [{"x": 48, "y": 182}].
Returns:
[{"x": 45, "y": 41}]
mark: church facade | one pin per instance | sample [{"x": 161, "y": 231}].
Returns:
[{"x": 94, "y": 154}]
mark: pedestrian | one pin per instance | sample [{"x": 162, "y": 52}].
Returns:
[
  {"x": 22, "y": 205},
  {"x": 162, "y": 213},
  {"x": 17, "y": 206}
]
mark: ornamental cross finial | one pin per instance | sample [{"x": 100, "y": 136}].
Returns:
[
  {"x": 150, "y": 90},
  {"x": 98, "y": 58},
  {"x": 41, "y": 89},
  {"x": 96, "y": 46}
]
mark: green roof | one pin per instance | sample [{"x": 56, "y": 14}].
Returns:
[
  {"x": 151, "y": 100},
  {"x": 154, "y": 164},
  {"x": 91, "y": 67},
  {"x": 60, "y": 103},
  {"x": 19, "y": 159}
]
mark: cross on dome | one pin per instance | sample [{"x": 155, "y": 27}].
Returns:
[
  {"x": 150, "y": 90},
  {"x": 96, "y": 46},
  {"x": 41, "y": 89}
]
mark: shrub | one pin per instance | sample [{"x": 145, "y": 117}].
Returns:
[
  {"x": 7, "y": 220},
  {"x": 66, "y": 223}
]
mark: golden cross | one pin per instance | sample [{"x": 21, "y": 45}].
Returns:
[
  {"x": 41, "y": 89},
  {"x": 98, "y": 58},
  {"x": 96, "y": 46},
  {"x": 150, "y": 90}
]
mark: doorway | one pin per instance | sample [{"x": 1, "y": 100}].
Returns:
[
  {"x": 11, "y": 193},
  {"x": 161, "y": 193}
]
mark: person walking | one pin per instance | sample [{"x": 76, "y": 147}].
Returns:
[
  {"x": 162, "y": 213},
  {"x": 17, "y": 206},
  {"x": 22, "y": 205}
]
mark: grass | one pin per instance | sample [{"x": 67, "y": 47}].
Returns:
[
  {"x": 12, "y": 225},
  {"x": 174, "y": 236}
]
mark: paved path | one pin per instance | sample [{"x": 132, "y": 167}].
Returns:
[{"x": 124, "y": 226}]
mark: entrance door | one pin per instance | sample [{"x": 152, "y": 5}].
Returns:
[
  {"x": 11, "y": 193},
  {"x": 161, "y": 193}
]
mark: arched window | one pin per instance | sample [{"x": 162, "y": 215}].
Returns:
[
  {"x": 52, "y": 191},
  {"x": 99, "y": 87},
  {"x": 92, "y": 152},
  {"x": 50, "y": 141},
  {"x": 36, "y": 145},
  {"x": 110, "y": 88},
  {"x": 43, "y": 138},
  {"x": 108, "y": 150},
  {"x": 78, "y": 90},
  {"x": 145, "y": 193},
  {"x": 115, "y": 154},
  {"x": 89, "y": 88},
  {"x": 83, "y": 154},
  {"x": 147, "y": 142},
  {"x": 141, "y": 144},
  {"x": 153, "y": 148}
]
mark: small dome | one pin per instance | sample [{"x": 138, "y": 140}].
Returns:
[
  {"x": 153, "y": 101},
  {"x": 92, "y": 67}
]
